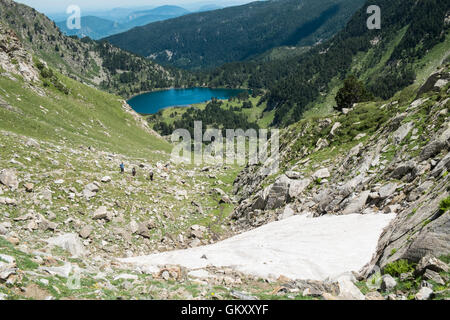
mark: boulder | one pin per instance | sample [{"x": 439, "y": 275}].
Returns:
[
  {"x": 429, "y": 262},
  {"x": 45, "y": 225},
  {"x": 388, "y": 283},
  {"x": 86, "y": 231},
  {"x": 294, "y": 175},
  {"x": 433, "y": 276},
  {"x": 323, "y": 199},
  {"x": 101, "y": 213},
  {"x": 402, "y": 132},
  {"x": 197, "y": 232},
  {"x": 387, "y": 190},
  {"x": 143, "y": 231},
  {"x": 90, "y": 190},
  {"x": 424, "y": 294},
  {"x": 278, "y": 193},
  {"x": 8, "y": 178},
  {"x": 287, "y": 213},
  {"x": 224, "y": 198},
  {"x": 357, "y": 203},
  {"x": 404, "y": 169},
  {"x": 29, "y": 187},
  {"x": 297, "y": 187},
  {"x": 106, "y": 179},
  {"x": 348, "y": 291},
  {"x": 442, "y": 166},
  {"x": 321, "y": 174},
  {"x": 69, "y": 242},
  {"x": 432, "y": 149}
]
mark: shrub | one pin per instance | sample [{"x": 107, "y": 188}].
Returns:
[
  {"x": 398, "y": 267},
  {"x": 444, "y": 206},
  {"x": 353, "y": 92}
]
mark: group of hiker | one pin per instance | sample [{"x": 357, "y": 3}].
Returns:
[{"x": 134, "y": 172}]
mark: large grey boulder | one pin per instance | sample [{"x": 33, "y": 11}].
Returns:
[
  {"x": 402, "y": 132},
  {"x": 357, "y": 203},
  {"x": 323, "y": 200},
  {"x": 442, "y": 166},
  {"x": 298, "y": 186},
  {"x": 432, "y": 149},
  {"x": 414, "y": 233},
  {"x": 429, "y": 262},
  {"x": 434, "y": 276},
  {"x": 101, "y": 213},
  {"x": 278, "y": 193},
  {"x": 387, "y": 190},
  {"x": 90, "y": 190},
  {"x": 407, "y": 168},
  {"x": 86, "y": 231},
  {"x": 348, "y": 290}
]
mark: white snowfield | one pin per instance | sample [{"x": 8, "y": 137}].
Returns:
[{"x": 298, "y": 248}]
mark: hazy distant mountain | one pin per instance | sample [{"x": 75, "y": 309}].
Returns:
[
  {"x": 93, "y": 27},
  {"x": 209, "y": 7},
  {"x": 161, "y": 11}
]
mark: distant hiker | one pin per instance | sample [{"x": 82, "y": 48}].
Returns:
[
  {"x": 122, "y": 168},
  {"x": 134, "y": 172},
  {"x": 151, "y": 175}
]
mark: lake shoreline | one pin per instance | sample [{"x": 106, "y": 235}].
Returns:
[
  {"x": 183, "y": 88},
  {"x": 152, "y": 102}
]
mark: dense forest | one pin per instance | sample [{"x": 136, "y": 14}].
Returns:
[
  {"x": 210, "y": 39},
  {"x": 215, "y": 115}
]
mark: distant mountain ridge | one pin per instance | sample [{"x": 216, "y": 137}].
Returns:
[
  {"x": 96, "y": 27},
  {"x": 210, "y": 39}
]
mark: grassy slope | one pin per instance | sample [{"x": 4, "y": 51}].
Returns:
[
  {"x": 84, "y": 117},
  {"x": 255, "y": 114},
  {"x": 323, "y": 106}
]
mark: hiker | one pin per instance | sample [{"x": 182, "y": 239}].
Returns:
[
  {"x": 134, "y": 172},
  {"x": 151, "y": 175},
  {"x": 122, "y": 168}
]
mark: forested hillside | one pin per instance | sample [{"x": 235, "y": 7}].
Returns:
[
  {"x": 95, "y": 63},
  {"x": 387, "y": 59},
  {"x": 210, "y": 39}
]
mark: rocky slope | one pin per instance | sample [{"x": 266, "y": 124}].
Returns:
[
  {"x": 375, "y": 158},
  {"x": 66, "y": 213}
]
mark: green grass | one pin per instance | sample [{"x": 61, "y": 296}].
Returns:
[
  {"x": 255, "y": 114},
  {"x": 23, "y": 260},
  {"x": 86, "y": 117}
]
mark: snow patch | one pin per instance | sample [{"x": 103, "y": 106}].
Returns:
[{"x": 298, "y": 247}]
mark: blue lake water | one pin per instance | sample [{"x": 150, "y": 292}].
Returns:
[{"x": 152, "y": 102}]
